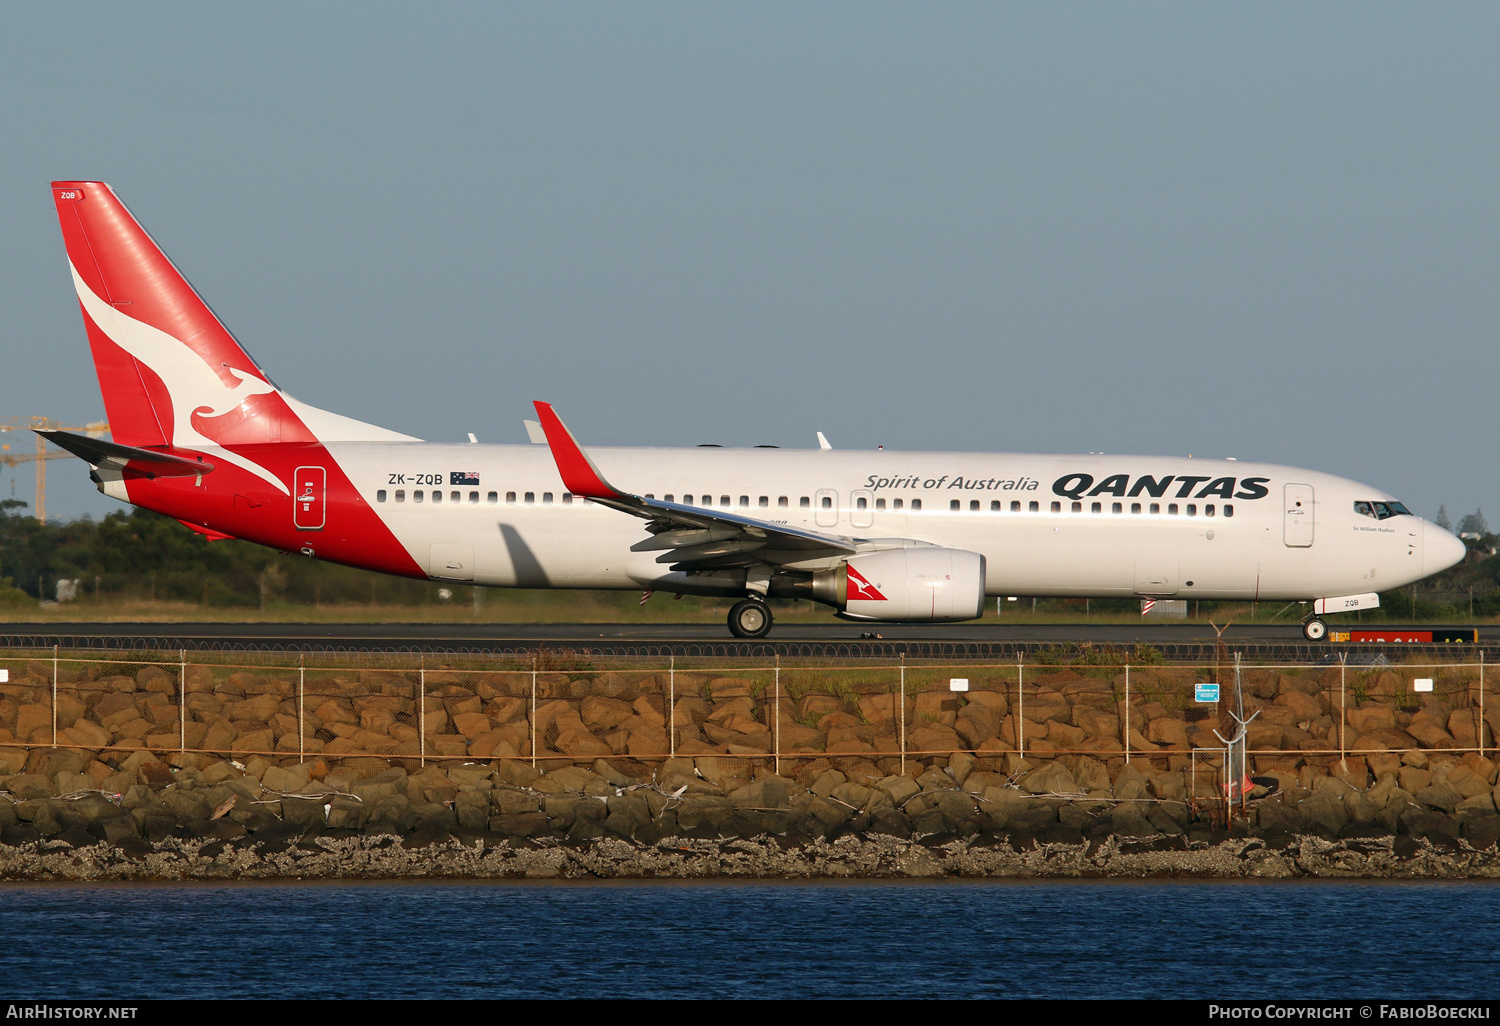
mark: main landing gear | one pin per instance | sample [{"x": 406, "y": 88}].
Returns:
[
  {"x": 750, "y": 619},
  {"x": 1314, "y": 629}
]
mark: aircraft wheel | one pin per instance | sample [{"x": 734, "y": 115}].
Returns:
[
  {"x": 1314, "y": 630},
  {"x": 750, "y": 619}
]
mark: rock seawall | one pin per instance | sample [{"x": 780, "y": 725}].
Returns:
[{"x": 74, "y": 814}]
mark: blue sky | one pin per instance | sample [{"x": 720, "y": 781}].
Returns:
[{"x": 1266, "y": 231}]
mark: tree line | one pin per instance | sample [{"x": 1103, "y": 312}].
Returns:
[{"x": 137, "y": 554}]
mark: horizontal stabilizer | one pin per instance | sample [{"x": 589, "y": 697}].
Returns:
[{"x": 97, "y": 452}]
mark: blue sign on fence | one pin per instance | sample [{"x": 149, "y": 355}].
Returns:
[{"x": 1205, "y": 692}]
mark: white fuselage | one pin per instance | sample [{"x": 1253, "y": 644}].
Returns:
[{"x": 1047, "y": 525}]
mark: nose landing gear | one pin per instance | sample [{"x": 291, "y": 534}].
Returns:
[{"x": 750, "y": 619}]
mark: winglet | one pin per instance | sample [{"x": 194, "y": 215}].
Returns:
[{"x": 579, "y": 474}]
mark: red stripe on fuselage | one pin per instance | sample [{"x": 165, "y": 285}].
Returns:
[{"x": 238, "y": 503}]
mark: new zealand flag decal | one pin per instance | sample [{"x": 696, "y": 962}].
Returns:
[{"x": 459, "y": 477}]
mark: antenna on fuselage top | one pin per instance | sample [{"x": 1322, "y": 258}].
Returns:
[{"x": 823, "y": 442}]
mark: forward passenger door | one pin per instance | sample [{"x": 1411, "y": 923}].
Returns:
[{"x": 1297, "y": 521}]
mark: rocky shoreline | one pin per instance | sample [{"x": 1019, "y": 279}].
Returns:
[
  {"x": 850, "y": 857},
  {"x": 67, "y": 815}
]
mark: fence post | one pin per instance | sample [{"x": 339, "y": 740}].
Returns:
[
  {"x": 1020, "y": 710},
  {"x": 54, "y": 690},
  {"x": 776, "y": 697},
  {"x": 181, "y": 700},
  {"x": 1343, "y": 670},
  {"x": 901, "y": 699},
  {"x": 1481, "y": 703},
  {"x": 1125, "y": 716},
  {"x": 422, "y": 712},
  {"x": 301, "y": 684},
  {"x": 672, "y": 706},
  {"x": 532, "y": 723}
]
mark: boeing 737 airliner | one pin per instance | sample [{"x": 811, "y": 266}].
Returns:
[{"x": 201, "y": 434}]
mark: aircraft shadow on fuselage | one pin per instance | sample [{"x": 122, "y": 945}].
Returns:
[{"x": 529, "y": 572}]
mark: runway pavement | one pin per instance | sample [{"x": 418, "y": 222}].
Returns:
[{"x": 986, "y": 640}]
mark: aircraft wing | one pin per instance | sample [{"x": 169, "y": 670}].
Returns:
[
  {"x": 146, "y": 462},
  {"x": 690, "y": 537}
]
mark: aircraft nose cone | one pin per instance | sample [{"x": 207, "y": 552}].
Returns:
[{"x": 1440, "y": 549}]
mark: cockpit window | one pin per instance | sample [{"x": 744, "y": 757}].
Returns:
[{"x": 1380, "y": 510}]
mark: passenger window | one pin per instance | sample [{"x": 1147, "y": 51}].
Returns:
[
  {"x": 1135, "y": 507},
  {"x": 1056, "y": 506},
  {"x": 473, "y": 498},
  {"x": 1015, "y": 507},
  {"x": 1208, "y": 509},
  {"x": 687, "y": 500},
  {"x": 880, "y": 504},
  {"x": 765, "y": 501},
  {"x": 995, "y": 506},
  {"x": 861, "y": 503},
  {"x": 667, "y": 497},
  {"x": 567, "y": 498},
  {"x": 1192, "y": 509},
  {"x": 650, "y": 496},
  {"x": 380, "y": 495},
  {"x": 1117, "y": 507},
  {"x": 1172, "y": 509},
  {"x": 416, "y": 496},
  {"x": 897, "y": 503},
  {"x": 826, "y": 502},
  {"x": 1156, "y": 507},
  {"x": 804, "y": 502},
  {"x": 1077, "y": 507},
  {"x": 724, "y": 501},
  {"x": 456, "y": 496},
  {"x": 530, "y": 498},
  {"x": 1228, "y": 510},
  {"x": 745, "y": 501},
  {"x": 510, "y": 498},
  {"x": 546, "y": 498},
  {"x": 781, "y": 502},
  {"x": 973, "y": 505},
  {"x": 437, "y": 496},
  {"x": 953, "y": 505},
  {"x": 493, "y": 498},
  {"x": 1096, "y": 507},
  {"x": 916, "y": 504},
  {"x": 1035, "y": 506},
  {"x": 400, "y": 495}
]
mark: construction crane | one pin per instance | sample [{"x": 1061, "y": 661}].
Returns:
[{"x": 12, "y": 458}]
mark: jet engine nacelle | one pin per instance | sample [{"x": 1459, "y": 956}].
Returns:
[{"x": 920, "y": 583}]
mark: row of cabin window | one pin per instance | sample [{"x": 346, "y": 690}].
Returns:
[
  {"x": 493, "y": 498},
  {"x": 1173, "y": 509},
  {"x": 826, "y": 502}
]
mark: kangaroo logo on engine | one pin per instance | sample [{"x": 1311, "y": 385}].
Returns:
[{"x": 861, "y": 589}]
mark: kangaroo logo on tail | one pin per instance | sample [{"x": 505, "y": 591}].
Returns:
[{"x": 198, "y": 394}]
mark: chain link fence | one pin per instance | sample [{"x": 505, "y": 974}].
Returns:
[{"x": 552, "y": 709}]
